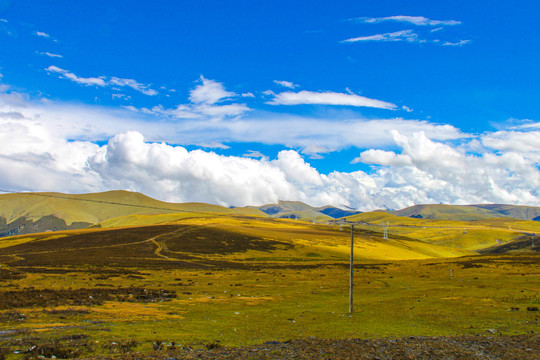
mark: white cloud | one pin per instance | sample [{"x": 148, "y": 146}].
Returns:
[
  {"x": 248, "y": 94},
  {"x": 49, "y": 54},
  {"x": 51, "y": 146},
  {"x": 220, "y": 111},
  {"x": 204, "y": 104},
  {"x": 424, "y": 172},
  {"x": 133, "y": 84},
  {"x": 122, "y": 96},
  {"x": 42, "y": 34},
  {"x": 416, "y": 20},
  {"x": 527, "y": 124},
  {"x": 327, "y": 98},
  {"x": 459, "y": 43},
  {"x": 286, "y": 84},
  {"x": 431, "y": 172},
  {"x": 403, "y": 35},
  {"x": 187, "y": 124},
  {"x": 209, "y": 92},
  {"x": 407, "y": 109},
  {"x": 99, "y": 81},
  {"x": 255, "y": 154},
  {"x": 523, "y": 143},
  {"x": 381, "y": 157}
]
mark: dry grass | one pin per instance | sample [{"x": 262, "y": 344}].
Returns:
[{"x": 213, "y": 282}]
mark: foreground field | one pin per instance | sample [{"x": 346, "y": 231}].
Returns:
[
  {"x": 209, "y": 281},
  {"x": 462, "y": 347}
]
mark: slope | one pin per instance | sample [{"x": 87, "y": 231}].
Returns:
[
  {"x": 448, "y": 212},
  {"x": 294, "y": 210},
  {"x": 467, "y": 235},
  {"x": 229, "y": 241},
  {"x": 470, "y": 212},
  {"x": 516, "y": 211},
  {"x": 24, "y": 212}
]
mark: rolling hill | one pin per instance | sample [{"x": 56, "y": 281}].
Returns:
[
  {"x": 25, "y": 213},
  {"x": 469, "y": 212},
  {"x": 299, "y": 210}
]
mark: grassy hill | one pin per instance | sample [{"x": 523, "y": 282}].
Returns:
[
  {"x": 467, "y": 235},
  {"x": 23, "y": 213},
  {"x": 294, "y": 210},
  {"x": 469, "y": 212},
  {"x": 26, "y": 213},
  {"x": 202, "y": 280},
  {"x": 231, "y": 239},
  {"x": 515, "y": 211},
  {"x": 336, "y": 212},
  {"x": 448, "y": 212}
]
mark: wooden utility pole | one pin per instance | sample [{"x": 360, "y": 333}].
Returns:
[{"x": 351, "y": 274}]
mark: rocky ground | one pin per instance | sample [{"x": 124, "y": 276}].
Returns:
[{"x": 448, "y": 348}]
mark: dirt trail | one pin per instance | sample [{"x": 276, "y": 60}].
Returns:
[{"x": 160, "y": 247}]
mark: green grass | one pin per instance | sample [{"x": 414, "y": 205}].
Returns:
[
  {"x": 391, "y": 300},
  {"x": 242, "y": 280},
  {"x": 96, "y": 207}
]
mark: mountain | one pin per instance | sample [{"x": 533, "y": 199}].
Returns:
[
  {"x": 516, "y": 211},
  {"x": 469, "y": 212},
  {"x": 24, "y": 213},
  {"x": 335, "y": 212},
  {"x": 294, "y": 210},
  {"x": 447, "y": 212}
]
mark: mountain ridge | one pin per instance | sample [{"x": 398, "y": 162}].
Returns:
[{"x": 24, "y": 213}]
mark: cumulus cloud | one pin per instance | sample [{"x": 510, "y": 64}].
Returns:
[
  {"x": 382, "y": 157},
  {"x": 206, "y": 99},
  {"x": 403, "y": 35},
  {"x": 34, "y": 156},
  {"x": 209, "y": 92},
  {"x": 416, "y": 20},
  {"x": 327, "y": 98},
  {"x": 286, "y": 84},
  {"x": 425, "y": 171},
  {"x": 100, "y": 81},
  {"x": 46, "y": 146},
  {"x": 436, "y": 172},
  {"x": 514, "y": 142}
]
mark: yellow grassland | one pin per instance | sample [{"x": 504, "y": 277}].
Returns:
[{"x": 284, "y": 279}]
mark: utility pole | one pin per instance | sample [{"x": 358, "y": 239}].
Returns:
[
  {"x": 385, "y": 230},
  {"x": 351, "y": 274}
]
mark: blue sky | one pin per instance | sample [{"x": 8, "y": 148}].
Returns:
[{"x": 358, "y": 103}]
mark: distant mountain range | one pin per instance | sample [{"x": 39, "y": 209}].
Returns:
[
  {"x": 25, "y": 213},
  {"x": 470, "y": 212},
  {"x": 299, "y": 210}
]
